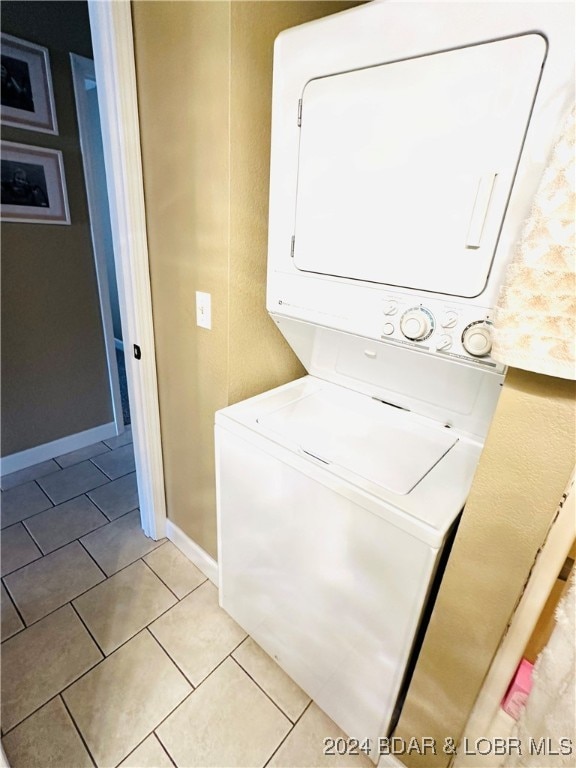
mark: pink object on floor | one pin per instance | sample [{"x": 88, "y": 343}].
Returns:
[{"x": 518, "y": 690}]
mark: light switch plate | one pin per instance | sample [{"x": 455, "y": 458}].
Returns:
[{"x": 203, "y": 310}]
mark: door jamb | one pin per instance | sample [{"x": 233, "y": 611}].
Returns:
[{"x": 113, "y": 50}]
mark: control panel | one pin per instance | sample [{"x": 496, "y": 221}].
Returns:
[
  {"x": 459, "y": 330},
  {"x": 453, "y": 330}
]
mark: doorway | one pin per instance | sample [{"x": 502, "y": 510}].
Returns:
[{"x": 86, "y": 95}]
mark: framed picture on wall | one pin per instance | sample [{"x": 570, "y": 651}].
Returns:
[
  {"x": 33, "y": 185},
  {"x": 26, "y": 96}
]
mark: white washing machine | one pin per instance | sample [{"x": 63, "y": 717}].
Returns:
[{"x": 407, "y": 142}]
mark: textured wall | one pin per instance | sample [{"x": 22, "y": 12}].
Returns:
[
  {"x": 204, "y": 72},
  {"x": 54, "y": 372},
  {"x": 182, "y": 61},
  {"x": 523, "y": 472},
  {"x": 259, "y": 358}
]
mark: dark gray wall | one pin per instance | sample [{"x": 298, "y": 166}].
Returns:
[{"x": 54, "y": 372}]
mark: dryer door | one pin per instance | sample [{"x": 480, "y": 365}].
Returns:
[{"x": 405, "y": 169}]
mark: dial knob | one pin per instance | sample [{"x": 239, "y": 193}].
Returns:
[
  {"x": 477, "y": 339},
  {"x": 449, "y": 320},
  {"x": 416, "y": 324},
  {"x": 444, "y": 342},
  {"x": 390, "y": 307}
]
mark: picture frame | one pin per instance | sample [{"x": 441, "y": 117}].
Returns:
[
  {"x": 33, "y": 185},
  {"x": 27, "y": 95}
]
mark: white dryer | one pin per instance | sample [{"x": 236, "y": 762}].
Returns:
[{"x": 407, "y": 143}]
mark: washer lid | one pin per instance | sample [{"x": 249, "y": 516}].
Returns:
[
  {"x": 405, "y": 169},
  {"x": 379, "y": 443}
]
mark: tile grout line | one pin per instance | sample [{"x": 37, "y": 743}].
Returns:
[
  {"x": 93, "y": 558},
  {"x": 160, "y": 577},
  {"x": 5, "y": 527},
  {"x": 142, "y": 742},
  {"x": 58, "y": 693},
  {"x": 164, "y": 582},
  {"x": 17, "y": 612},
  {"x": 81, "y": 460},
  {"x": 176, "y": 664},
  {"x": 87, "y": 628},
  {"x": 36, "y": 621},
  {"x": 53, "y": 505},
  {"x": 108, "y": 483},
  {"x": 278, "y": 707},
  {"x": 307, "y": 707},
  {"x": 30, "y": 479},
  {"x": 178, "y": 667},
  {"x": 103, "y": 470},
  {"x": 72, "y": 498},
  {"x": 77, "y": 727},
  {"x": 137, "y": 632},
  {"x": 43, "y": 491},
  {"x": 59, "y": 467},
  {"x": 8, "y": 573},
  {"x": 106, "y": 577},
  {"x": 153, "y": 731},
  {"x": 92, "y": 668},
  {"x": 196, "y": 687},
  {"x": 83, "y": 535},
  {"x": 155, "y": 736}
]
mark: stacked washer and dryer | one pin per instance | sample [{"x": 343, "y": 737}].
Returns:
[{"x": 408, "y": 140}]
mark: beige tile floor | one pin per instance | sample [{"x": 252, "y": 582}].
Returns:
[{"x": 115, "y": 651}]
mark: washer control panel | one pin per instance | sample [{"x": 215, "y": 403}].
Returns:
[
  {"x": 446, "y": 328},
  {"x": 452, "y": 330}
]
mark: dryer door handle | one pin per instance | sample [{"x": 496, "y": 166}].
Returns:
[{"x": 480, "y": 209}]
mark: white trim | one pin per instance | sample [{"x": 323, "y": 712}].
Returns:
[
  {"x": 113, "y": 49},
  {"x": 83, "y": 70},
  {"x": 31, "y": 456},
  {"x": 193, "y": 551},
  {"x": 548, "y": 563}
]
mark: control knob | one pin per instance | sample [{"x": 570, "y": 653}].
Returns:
[
  {"x": 417, "y": 324},
  {"x": 477, "y": 339},
  {"x": 449, "y": 320},
  {"x": 444, "y": 343},
  {"x": 390, "y": 307}
]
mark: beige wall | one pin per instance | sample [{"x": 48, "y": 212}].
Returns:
[
  {"x": 182, "y": 60},
  {"x": 523, "y": 472},
  {"x": 204, "y": 72},
  {"x": 259, "y": 359},
  {"x": 54, "y": 371}
]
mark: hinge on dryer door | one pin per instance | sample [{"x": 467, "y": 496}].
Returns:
[
  {"x": 299, "y": 112},
  {"x": 292, "y": 246}
]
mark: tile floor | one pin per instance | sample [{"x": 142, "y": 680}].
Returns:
[{"x": 115, "y": 651}]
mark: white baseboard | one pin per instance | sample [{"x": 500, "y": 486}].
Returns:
[
  {"x": 31, "y": 456},
  {"x": 119, "y": 344},
  {"x": 193, "y": 551}
]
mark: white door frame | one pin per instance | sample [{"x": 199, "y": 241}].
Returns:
[
  {"x": 113, "y": 49},
  {"x": 82, "y": 71}
]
